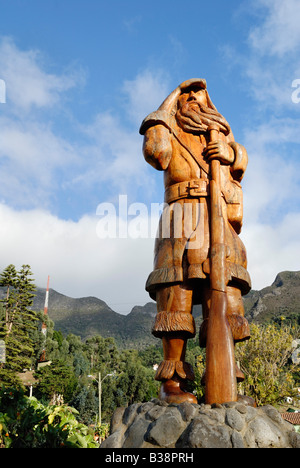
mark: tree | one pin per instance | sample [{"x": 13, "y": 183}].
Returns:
[
  {"x": 19, "y": 298},
  {"x": 102, "y": 351},
  {"x": 56, "y": 382},
  {"x": 151, "y": 356},
  {"x": 19, "y": 321},
  {"x": 8, "y": 279},
  {"x": 86, "y": 403},
  {"x": 264, "y": 361},
  {"x": 136, "y": 382}
]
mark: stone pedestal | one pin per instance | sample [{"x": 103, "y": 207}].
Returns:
[{"x": 156, "y": 424}]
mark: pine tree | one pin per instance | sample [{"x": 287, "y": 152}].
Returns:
[
  {"x": 8, "y": 279},
  {"x": 19, "y": 321}
]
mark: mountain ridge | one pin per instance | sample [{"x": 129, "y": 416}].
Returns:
[
  {"x": 281, "y": 298},
  {"x": 90, "y": 316}
]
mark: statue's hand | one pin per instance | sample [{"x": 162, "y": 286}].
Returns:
[{"x": 219, "y": 150}]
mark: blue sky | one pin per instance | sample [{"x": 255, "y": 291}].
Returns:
[{"x": 81, "y": 75}]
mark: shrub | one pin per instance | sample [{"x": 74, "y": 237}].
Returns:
[
  {"x": 264, "y": 360},
  {"x": 27, "y": 423}
]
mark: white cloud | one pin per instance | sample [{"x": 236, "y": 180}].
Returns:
[
  {"x": 272, "y": 179},
  {"x": 115, "y": 151},
  {"x": 33, "y": 156},
  {"x": 145, "y": 93},
  {"x": 78, "y": 261},
  {"x": 104, "y": 157},
  {"x": 270, "y": 65},
  {"x": 30, "y": 156},
  {"x": 28, "y": 85},
  {"x": 272, "y": 248},
  {"x": 115, "y": 154},
  {"x": 271, "y": 137},
  {"x": 271, "y": 218},
  {"x": 36, "y": 162},
  {"x": 279, "y": 32}
]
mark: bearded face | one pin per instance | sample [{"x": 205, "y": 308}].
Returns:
[{"x": 196, "y": 112}]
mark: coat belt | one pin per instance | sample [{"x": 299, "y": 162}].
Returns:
[{"x": 190, "y": 189}]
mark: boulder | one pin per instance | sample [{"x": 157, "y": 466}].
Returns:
[{"x": 156, "y": 424}]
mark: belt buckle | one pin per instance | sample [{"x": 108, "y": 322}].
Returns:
[{"x": 195, "y": 188}]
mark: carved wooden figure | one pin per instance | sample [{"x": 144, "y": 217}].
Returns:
[{"x": 199, "y": 257}]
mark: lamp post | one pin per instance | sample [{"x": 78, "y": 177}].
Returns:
[{"x": 99, "y": 381}]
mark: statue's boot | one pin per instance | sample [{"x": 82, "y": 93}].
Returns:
[
  {"x": 172, "y": 391},
  {"x": 174, "y": 372}
]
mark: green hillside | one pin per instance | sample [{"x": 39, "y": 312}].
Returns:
[{"x": 90, "y": 316}]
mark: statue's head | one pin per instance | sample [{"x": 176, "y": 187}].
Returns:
[
  {"x": 195, "y": 110},
  {"x": 193, "y": 91},
  {"x": 190, "y": 107}
]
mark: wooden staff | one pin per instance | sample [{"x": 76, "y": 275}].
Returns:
[{"x": 220, "y": 379}]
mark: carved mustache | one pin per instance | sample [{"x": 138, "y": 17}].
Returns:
[{"x": 197, "y": 117}]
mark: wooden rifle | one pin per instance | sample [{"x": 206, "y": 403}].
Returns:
[{"x": 220, "y": 378}]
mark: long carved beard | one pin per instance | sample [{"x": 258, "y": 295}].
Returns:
[{"x": 195, "y": 118}]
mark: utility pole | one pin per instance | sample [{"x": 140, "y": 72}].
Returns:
[
  {"x": 99, "y": 381},
  {"x": 100, "y": 397}
]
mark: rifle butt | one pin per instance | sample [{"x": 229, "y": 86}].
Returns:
[{"x": 220, "y": 377}]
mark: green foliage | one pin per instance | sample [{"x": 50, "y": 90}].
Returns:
[
  {"x": 55, "y": 379},
  {"x": 72, "y": 361},
  {"x": 151, "y": 355},
  {"x": 196, "y": 357},
  {"x": 85, "y": 400},
  {"x": 127, "y": 375},
  {"x": 27, "y": 423},
  {"x": 199, "y": 368},
  {"x": 103, "y": 431},
  {"x": 136, "y": 381},
  {"x": 264, "y": 359},
  {"x": 18, "y": 322}
]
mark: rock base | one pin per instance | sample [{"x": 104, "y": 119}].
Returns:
[{"x": 156, "y": 424}]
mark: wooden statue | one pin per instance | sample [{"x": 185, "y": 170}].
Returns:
[{"x": 199, "y": 257}]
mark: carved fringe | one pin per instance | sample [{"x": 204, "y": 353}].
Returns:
[
  {"x": 172, "y": 322},
  {"x": 167, "y": 369},
  {"x": 239, "y": 327}
]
